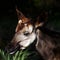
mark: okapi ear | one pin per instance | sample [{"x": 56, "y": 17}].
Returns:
[
  {"x": 41, "y": 20},
  {"x": 38, "y": 23},
  {"x": 19, "y": 14}
]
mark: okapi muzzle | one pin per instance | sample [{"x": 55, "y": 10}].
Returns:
[{"x": 27, "y": 31}]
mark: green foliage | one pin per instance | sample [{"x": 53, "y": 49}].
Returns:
[{"x": 19, "y": 55}]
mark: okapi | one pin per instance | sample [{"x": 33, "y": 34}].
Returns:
[{"x": 28, "y": 30}]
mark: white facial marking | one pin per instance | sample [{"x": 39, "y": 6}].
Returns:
[
  {"x": 20, "y": 21},
  {"x": 30, "y": 28},
  {"x": 20, "y": 37},
  {"x": 30, "y": 39},
  {"x": 25, "y": 24}
]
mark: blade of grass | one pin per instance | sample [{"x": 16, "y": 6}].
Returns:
[
  {"x": 2, "y": 55},
  {"x": 16, "y": 55}
]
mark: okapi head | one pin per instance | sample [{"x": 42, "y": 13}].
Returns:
[{"x": 25, "y": 33}]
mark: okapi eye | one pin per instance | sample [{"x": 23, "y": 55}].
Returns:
[{"x": 26, "y": 33}]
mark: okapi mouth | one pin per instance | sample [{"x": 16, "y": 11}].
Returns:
[{"x": 11, "y": 49}]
